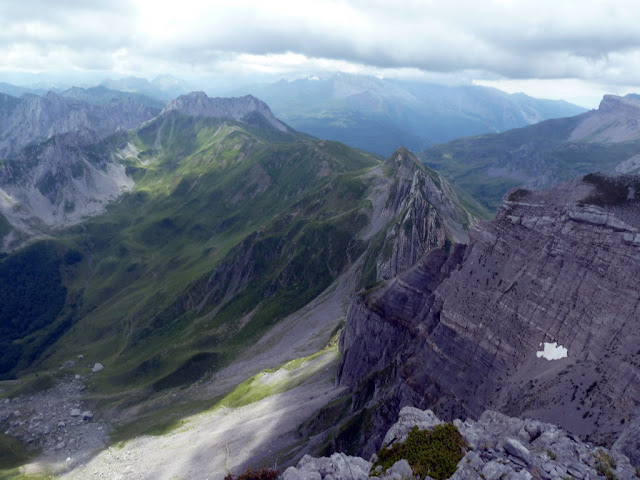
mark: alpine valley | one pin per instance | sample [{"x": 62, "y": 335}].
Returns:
[{"x": 193, "y": 289}]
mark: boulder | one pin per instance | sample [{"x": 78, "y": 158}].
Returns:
[
  {"x": 97, "y": 367},
  {"x": 514, "y": 448},
  {"x": 410, "y": 417}
]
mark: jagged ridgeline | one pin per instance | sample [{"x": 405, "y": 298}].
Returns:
[{"x": 230, "y": 226}]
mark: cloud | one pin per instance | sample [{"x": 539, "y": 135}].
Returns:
[{"x": 525, "y": 39}]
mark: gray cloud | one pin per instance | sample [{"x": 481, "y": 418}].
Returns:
[{"x": 526, "y": 39}]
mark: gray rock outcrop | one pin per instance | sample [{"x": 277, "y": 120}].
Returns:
[
  {"x": 35, "y": 118},
  {"x": 616, "y": 120},
  {"x": 246, "y": 109},
  {"x": 59, "y": 182},
  {"x": 499, "y": 447}
]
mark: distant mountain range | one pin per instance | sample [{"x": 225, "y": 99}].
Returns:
[
  {"x": 163, "y": 87},
  {"x": 157, "y": 91},
  {"x": 541, "y": 155},
  {"x": 362, "y": 111},
  {"x": 381, "y": 115}
]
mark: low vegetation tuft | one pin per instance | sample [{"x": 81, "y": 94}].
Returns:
[
  {"x": 605, "y": 465},
  {"x": 264, "y": 474},
  {"x": 429, "y": 452}
]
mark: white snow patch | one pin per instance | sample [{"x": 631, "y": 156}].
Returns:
[{"x": 552, "y": 351}]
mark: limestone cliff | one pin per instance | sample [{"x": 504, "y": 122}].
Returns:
[
  {"x": 242, "y": 109},
  {"x": 472, "y": 329},
  {"x": 58, "y": 182},
  {"x": 33, "y": 118}
]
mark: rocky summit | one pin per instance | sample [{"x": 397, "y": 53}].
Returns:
[
  {"x": 242, "y": 109},
  {"x": 498, "y": 447},
  {"x": 536, "y": 317}
]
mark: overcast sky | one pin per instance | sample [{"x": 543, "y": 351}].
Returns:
[{"x": 576, "y": 50}]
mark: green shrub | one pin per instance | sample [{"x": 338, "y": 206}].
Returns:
[
  {"x": 605, "y": 464},
  {"x": 264, "y": 474},
  {"x": 429, "y": 452}
]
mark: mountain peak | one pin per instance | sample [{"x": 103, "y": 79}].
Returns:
[
  {"x": 615, "y": 121},
  {"x": 241, "y": 109},
  {"x": 403, "y": 162},
  {"x": 614, "y": 103}
]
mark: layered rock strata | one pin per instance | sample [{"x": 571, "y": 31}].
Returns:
[{"x": 469, "y": 330}]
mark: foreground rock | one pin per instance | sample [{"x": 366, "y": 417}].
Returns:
[{"x": 500, "y": 447}]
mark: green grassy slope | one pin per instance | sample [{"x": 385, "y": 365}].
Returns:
[{"x": 229, "y": 229}]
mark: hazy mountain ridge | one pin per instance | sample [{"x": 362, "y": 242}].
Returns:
[
  {"x": 542, "y": 155},
  {"x": 380, "y": 115},
  {"x": 101, "y": 95},
  {"x": 162, "y": 87}
]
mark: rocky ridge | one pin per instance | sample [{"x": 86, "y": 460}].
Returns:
[
  {"x": 616, "y": 120},
  {"x": 463, "y": 331},
  {"x": 246, "y": 109},
  {"x": 499, "y": 447}
]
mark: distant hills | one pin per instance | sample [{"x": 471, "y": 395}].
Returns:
[
  {"x": 541, "y": 155},
  {"x": 380, "y": 115}
]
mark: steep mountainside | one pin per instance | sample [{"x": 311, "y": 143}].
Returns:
[
  {"x": 74, "y": 175},
  {"x": 57, "y": 183},
  {"x": 33, "y": 118},
  {"x": 230, "y": 230},
  {"x": 542, "y": 155},
  {"x": 536, "y": 317},
  {"x": 380, "y": 115}
]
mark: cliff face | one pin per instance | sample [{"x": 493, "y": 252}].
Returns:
[
  {"x": 33, "y": 118},
  {"x": 242, "y": 109},
  {"x": 59, "y": 182},
  {"x": 464, "y": 331},
  {"x": 616, "y": 120}
]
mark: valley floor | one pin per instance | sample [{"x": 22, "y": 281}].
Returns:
[{"x": 211, "y": 444}]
